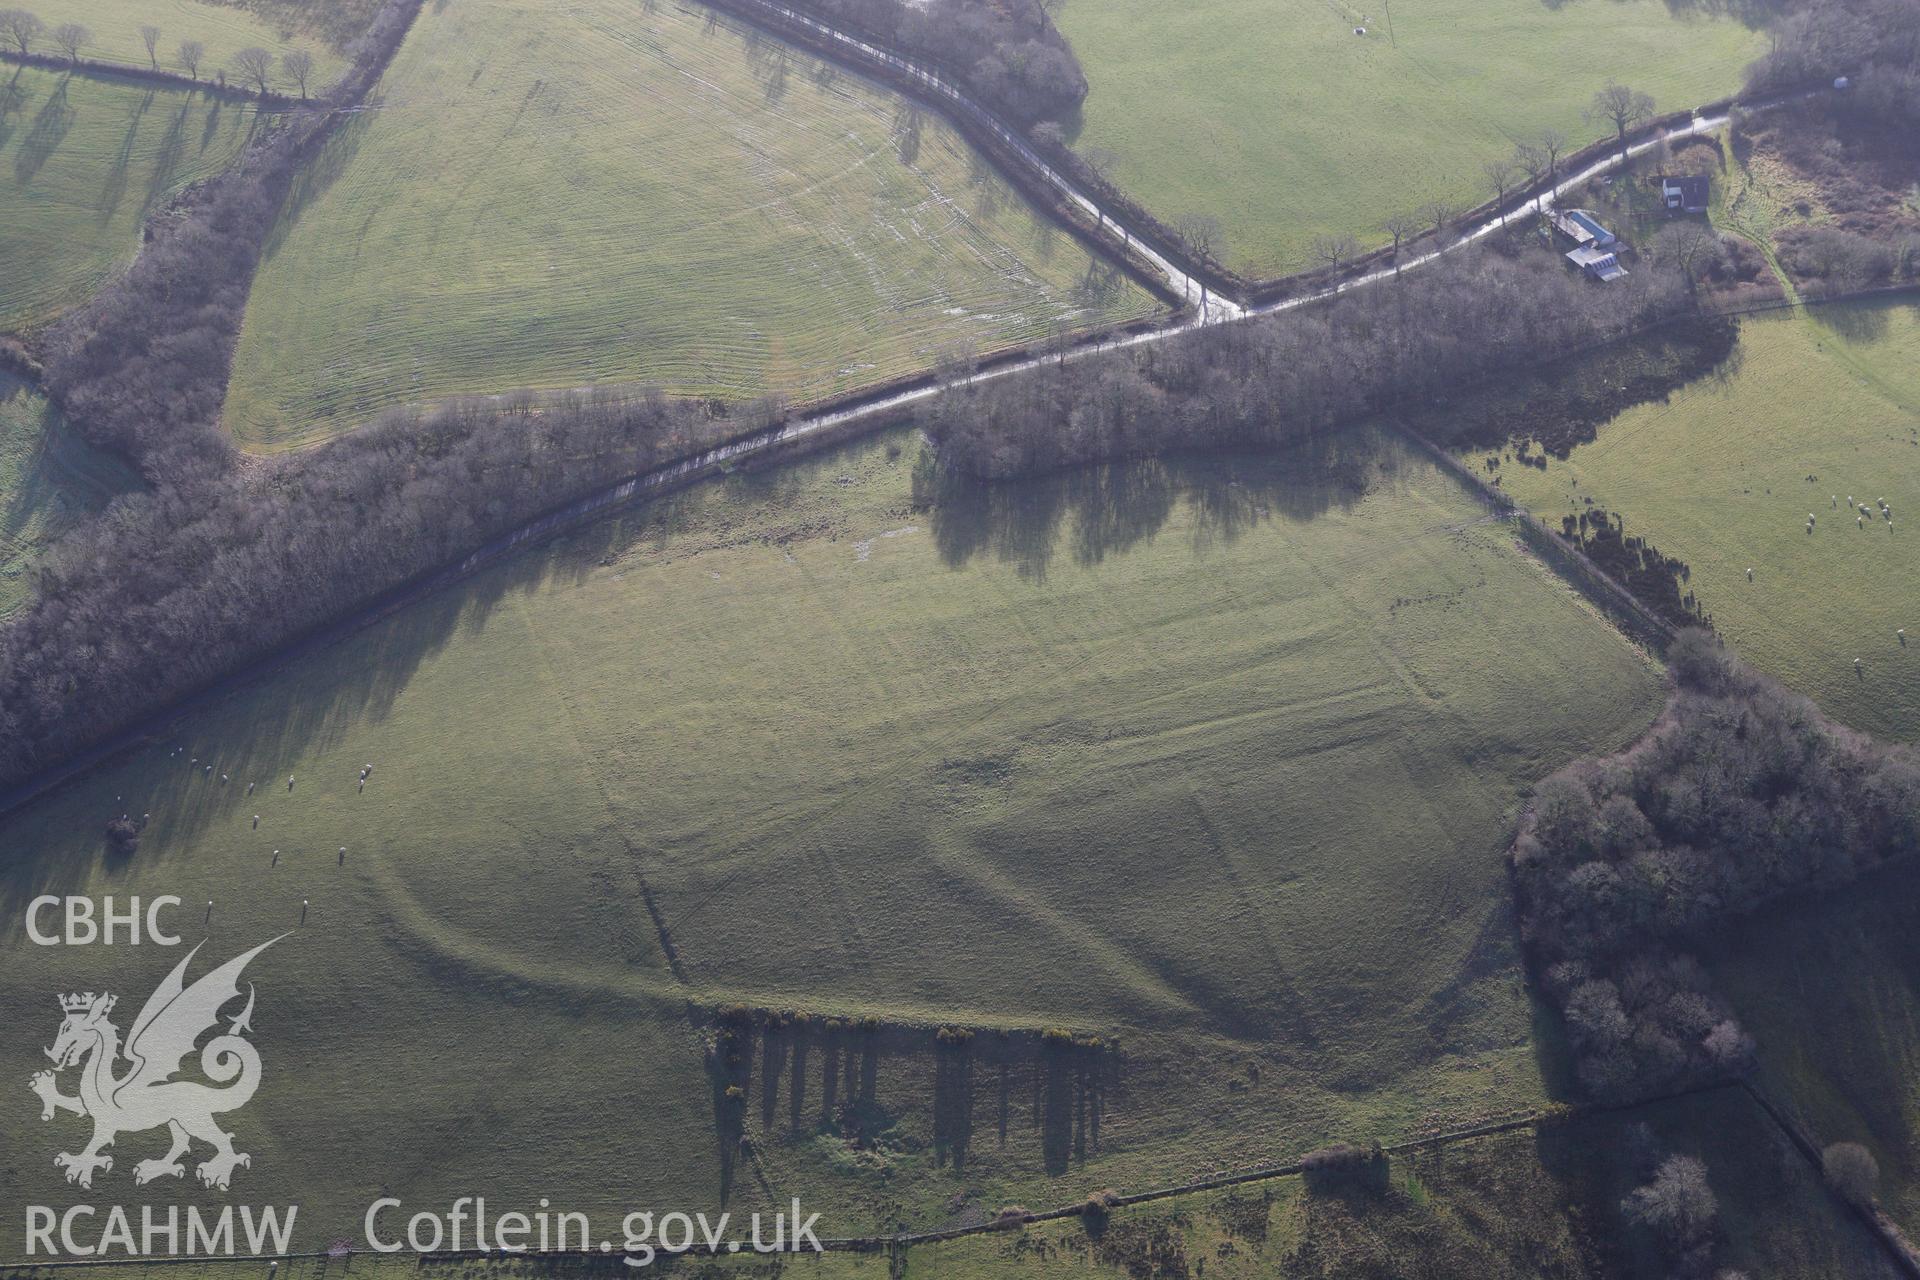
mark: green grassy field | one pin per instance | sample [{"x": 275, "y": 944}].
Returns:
[
  {"x": 1207, "y": 756},
  {"x": 1832, "y": 993},
  {"x": 48, "y": 479},
  {"x": 1522, "y": 1205},
  {"x": 1719, "y": 477},
  {"x": 83, "y": 161},
  {"x": 321, "y": 27},
  {"x": 1280, "y": 122},
  {"x": 626, "y": 193}
]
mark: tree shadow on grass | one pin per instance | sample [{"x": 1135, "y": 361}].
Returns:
[
  {"x": 1859, "y": 322},
  {"x": 114, "y": 187},
  {"x": 1093, "y": 512},
  {"x": 13, "y": 96},
  {"x": 316, "y": 178},
  {"x": 44, "y": 136}
]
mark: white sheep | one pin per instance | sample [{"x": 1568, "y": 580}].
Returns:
[{"x": 1749, "y": 575}]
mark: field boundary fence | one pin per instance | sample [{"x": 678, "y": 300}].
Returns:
[{"x": 1557, "y": 1114}]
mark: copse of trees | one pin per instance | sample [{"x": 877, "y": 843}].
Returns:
[
  {"x": 1290, "y": 375},
  {"x": 141, "y": 368},
  {"x": 175, "y": 587},
  {"x": 1009, "y": 51},
  {"x": 1875, "y": 43},
  {"x": 1742, "y": 793}
]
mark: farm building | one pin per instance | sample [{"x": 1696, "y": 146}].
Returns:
[
  {"x": 1594, "y": 247},
  {"x": 1684, "y": 194},
  {"x": 1581, "y": 227},
  {"x": 1600, "y": 264}
]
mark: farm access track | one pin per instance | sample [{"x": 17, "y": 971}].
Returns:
[{"x": 864, "y": 412}]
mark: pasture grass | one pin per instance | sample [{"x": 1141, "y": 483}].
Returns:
[
  {"x": 1519, "y": 1205},
  {"x": 622, "y": 192},
  {"x": 1832, "y": 994},
  {"x": 321, "y": 27},
  {"x": 1513, "y": 1206},
  {"x": 1205, "y": 755},
  {"x": 49, "y": 479},
  {"x": 1280, "y": 122},
  {"x": 1722, "y": 475},
  {"x": 84, "y": 160}
]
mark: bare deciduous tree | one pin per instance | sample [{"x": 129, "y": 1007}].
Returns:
[
  {"x": 1678, "y": 1204},
  {"x": 1402, "y": 227},
  {"x": 1202, "y": 234},
  {"x": 20, "y": 27},
  {"x": 1333, "y": 251},
  {"x": 70, "y": 36},
  {"x": 150, "y": 36},
  {"x": 1626, "y": 108},
  {"x": 1529, "y": 158},
  {"x": 1852, "y": 1171},
  {"x": 256, "y": 64},
  {"x": 299, "y": 65},
  {"x": 1436, "y": 214},
  {"x": 1101, "y": 162},
  {"x": 190, "y": 53},
  {"x": 1688, "y": 245},
  {"x": 1500, "y": 176},
  {"x": 1553, "y": 144}
]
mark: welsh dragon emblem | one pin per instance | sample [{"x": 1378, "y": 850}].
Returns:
[{"x": 146, "y": 1095}]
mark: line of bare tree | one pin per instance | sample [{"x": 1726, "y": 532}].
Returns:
[
  {"x": 20, "y": 28},
  {"x": 1296, "y": 373}
]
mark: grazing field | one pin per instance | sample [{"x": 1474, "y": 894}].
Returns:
[
  {"x": 1279, "y": 121},
  {"x": 1514, "y": 1206},
  {"x": 1814, "y": 407},
  {"x": 1832, "y": 994},
  {"x": 620, "y": 192},
  {"x": 83, "y": 161},
  {"x": 48, "y": 479},
  {"x": 1205, "y": 756},
  {"x": 321, "y": 27}
]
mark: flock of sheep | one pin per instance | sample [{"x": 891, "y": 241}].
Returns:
[{"x": 1862, "y": 514}]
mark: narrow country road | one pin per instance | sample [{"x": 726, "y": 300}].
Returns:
[{"x": 1213, "y": 311}]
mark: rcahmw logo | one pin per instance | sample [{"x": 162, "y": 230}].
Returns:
[{"x": 133, "y": 1085}]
